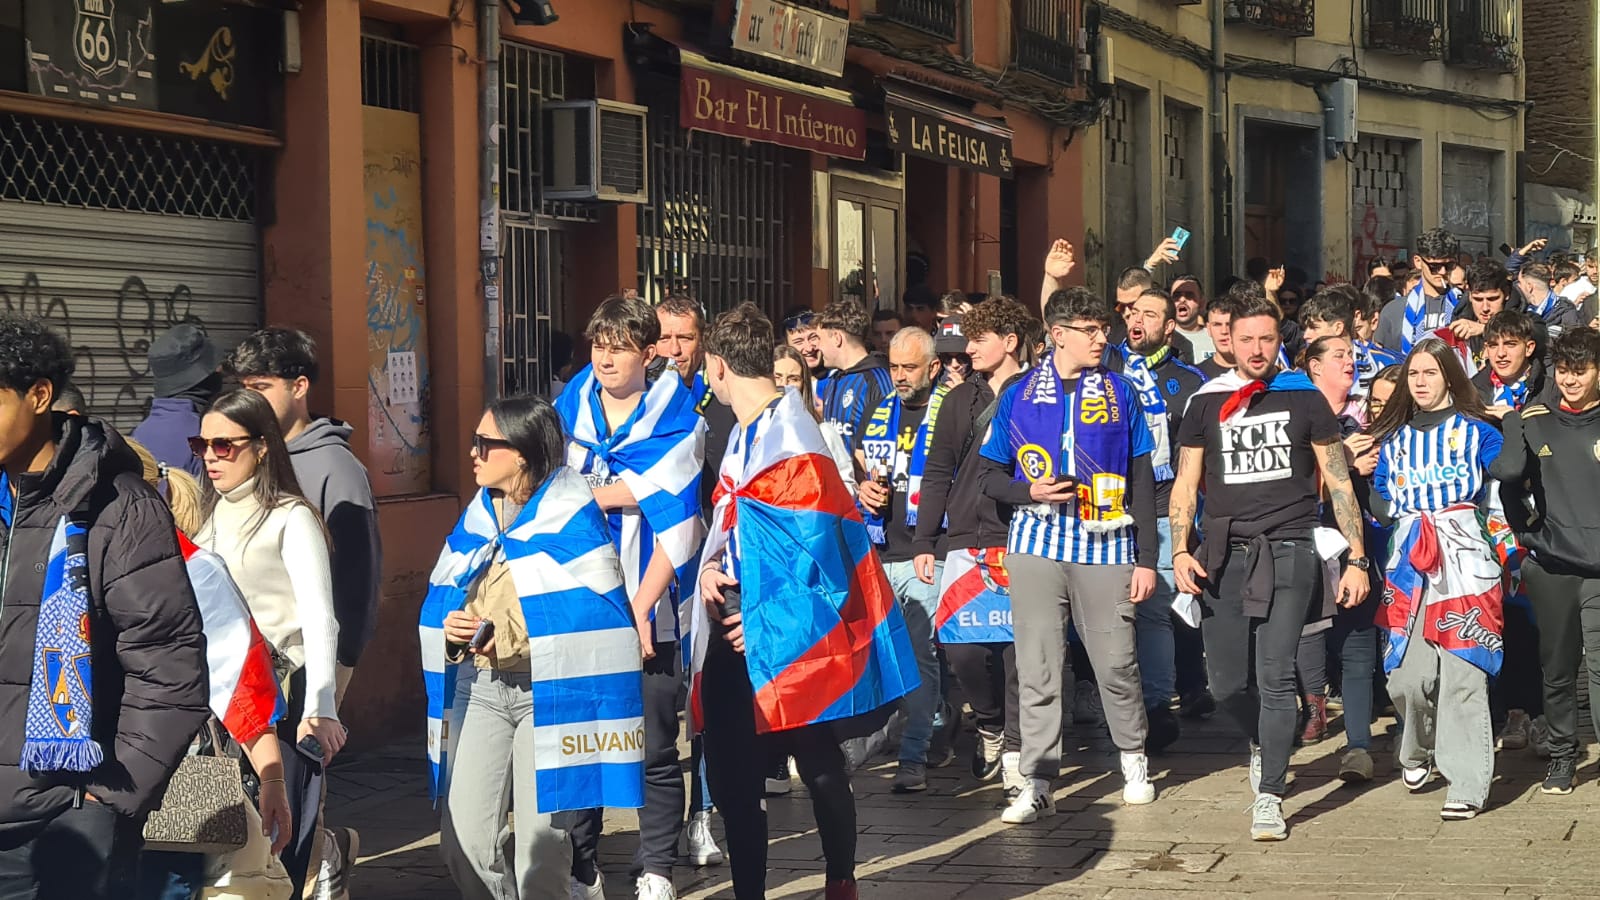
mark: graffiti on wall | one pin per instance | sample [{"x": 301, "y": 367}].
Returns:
[
  {"x": 1373, "y": 239},
  {"x": 397, "y": 363},
  {"x": 112, "y": 374}
]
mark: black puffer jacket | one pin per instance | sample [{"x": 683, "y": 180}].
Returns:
[{"x": 149, "y": 669}]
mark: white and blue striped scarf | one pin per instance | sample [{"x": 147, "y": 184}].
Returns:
[
  {"x": 658, "y": 452},
  {"x": 1417, "y": 325},
  {"x": 588, "y": 707}
]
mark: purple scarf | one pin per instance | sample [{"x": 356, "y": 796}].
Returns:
[{"x": 1084, "y": 436}]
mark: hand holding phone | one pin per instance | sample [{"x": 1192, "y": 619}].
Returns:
[
  {"x": 1180, "y": 236},
  {"x": 482, "y": 636}
]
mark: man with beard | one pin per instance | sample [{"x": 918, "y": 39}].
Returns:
[
  {"x": 894, "y": 454},
  {"x": 1190, "y": 308},
  {"x": 1264, "y": 445},
  {"x": 1165, "y": 384}
]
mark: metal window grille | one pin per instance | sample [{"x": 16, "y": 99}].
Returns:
[
  {"x": 1046, "y": 38},
  {"x": 714, "y": 226},
  {"x": 528, "y": 78},
  {"x": 390, "y": 74},
  {"x": 1483, "y": 34},
  {"x": 533, "y": 276},
  {"x": 1410, "y": 27},
  {"x": 84, "y": 165},
  {"x": 1380, "y": 205},
  {"x": 935, "y": 17},
  {"x": 1296, "y": 17}
]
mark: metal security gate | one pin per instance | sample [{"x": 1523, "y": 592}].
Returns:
[
  {"x": 714, "y": 226},
  {"x": 531, "y": 281},
  {"x": 115, "y": 236}
]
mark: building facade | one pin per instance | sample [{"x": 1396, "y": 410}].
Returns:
[
  {"x": 1560, "y": 163},
  {"x": 433, "y": 196},
  {"x": 1324, "y": 133}
]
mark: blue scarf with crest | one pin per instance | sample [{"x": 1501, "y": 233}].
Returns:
[{"x": 1083, "y": 436}]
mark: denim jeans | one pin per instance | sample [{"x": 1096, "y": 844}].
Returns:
[
  {"x": 1152, "y": 626},
  {"x": 919, "y": 601}
]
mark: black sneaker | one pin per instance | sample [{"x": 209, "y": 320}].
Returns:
[
  {"x": 1164, "y": 729},
  {"x": 778, "y": 779},
  {"x": 1560, "y": 777},
  {"x": 1197, "y": 704}
]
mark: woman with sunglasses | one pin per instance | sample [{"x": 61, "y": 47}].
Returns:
[
  {"x": 1443, "y": 606},
  {"x": 528, "y": 598},
  {"x": 259, "y": 522}
]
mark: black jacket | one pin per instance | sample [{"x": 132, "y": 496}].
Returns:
[
  {"x": 1553, "y": 455},
  {"x": 950, "y": 484},
  {"x": 1540, "y": 388},
  {"x": 149, "y": 669}
]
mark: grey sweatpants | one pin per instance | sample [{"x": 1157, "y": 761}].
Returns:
[
  {"x": 1444, "y": 702},
  {"x": 491, "y": 766},
  {"x": 1044, "y": 595}
]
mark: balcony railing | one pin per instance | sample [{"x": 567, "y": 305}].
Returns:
[
  {"x": 1046, "y": 38},
  {"x": 1294, "y": 17},
  {"x": 935, "y": 17},
  {"x": 1409, "y": 27},
  {"x": 1483, "y": 34}
]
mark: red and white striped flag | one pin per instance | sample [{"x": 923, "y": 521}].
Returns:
[{"x": 244, "y": 692}]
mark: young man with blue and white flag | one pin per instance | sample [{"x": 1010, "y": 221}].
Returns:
[
  {"x": 894, "y": 451},
  {"x": 1165, "y": 383},
  {"x": 641, "y": 447},
  {"x": 102, "y": 657},
  {"x": 1069, "y": 449},
  {"x": 1432, "y": 303},
  {"x": 549, "y": 712}
]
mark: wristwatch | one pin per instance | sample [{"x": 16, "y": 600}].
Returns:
[{"x": 1362, "y": 563}]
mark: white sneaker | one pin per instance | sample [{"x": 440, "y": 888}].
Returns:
[
  {"x": 703, "y": 849},
  {"x": 1011, "y": 775},
  {"x": 1033, "y": 803},
  {"x": 1255, "y": 769},
  {"x": 654, "y": 887},
  {"x": 1136, "y": 786},
  {"x": 577, "y": 890}
]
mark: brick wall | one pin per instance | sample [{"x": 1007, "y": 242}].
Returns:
[{"x": 1558, "y": 43}]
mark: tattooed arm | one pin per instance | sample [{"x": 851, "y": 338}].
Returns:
[
  {"x": 1335, "y": 470},
  {"x": 1180, "y": 515}
]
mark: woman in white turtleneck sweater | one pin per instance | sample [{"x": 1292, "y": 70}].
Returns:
[{"x": 277, "y": 551}]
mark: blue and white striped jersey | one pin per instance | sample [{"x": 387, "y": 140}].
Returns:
[{"x": 1434, "y": 467}]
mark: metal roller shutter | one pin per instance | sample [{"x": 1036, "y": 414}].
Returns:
[
  {"x": 1469, "y": 208},
  {"x": 114, "y": 237}
]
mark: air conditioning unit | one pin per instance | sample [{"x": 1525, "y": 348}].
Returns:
[{"x": 595, "y": 150}]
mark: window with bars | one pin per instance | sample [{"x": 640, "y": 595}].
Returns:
[
  {"x": 529, "y": 77},
  {"x": 78, "y": 164},
  {"x": 390, "y": 74},
  {"x": 1046, "y": 38},
  {"x": 714, "y": 226}
]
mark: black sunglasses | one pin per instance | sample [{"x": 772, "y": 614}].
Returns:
[
  {"x": 482, "y": 444},
  {"x": 1438, "y": 267},
  {"x": 224, "y": 448}
]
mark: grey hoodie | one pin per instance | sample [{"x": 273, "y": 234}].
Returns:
[{"x": 336, "y": 483}]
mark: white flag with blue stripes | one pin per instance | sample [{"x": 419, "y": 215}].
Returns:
[
  {"x": 658, "y": 453},
  {"x": 588, "y": 709}
]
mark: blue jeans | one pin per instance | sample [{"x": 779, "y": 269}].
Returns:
[
  {"x": 1152, "y": 626},
  {"x": 919, "y": 602}
]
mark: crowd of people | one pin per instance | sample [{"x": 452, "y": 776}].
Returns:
[{"x": 1276, "y": 505}]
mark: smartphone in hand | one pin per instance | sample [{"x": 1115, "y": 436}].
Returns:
[{"x": 1181, "y": 235}]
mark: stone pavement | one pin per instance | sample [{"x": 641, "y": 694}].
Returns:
[{"x": 1372, "y": 841}]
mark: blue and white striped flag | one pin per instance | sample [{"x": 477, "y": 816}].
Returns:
[
  {"x": 588, "y": 707},
  {"x": 658, "y": 453}
]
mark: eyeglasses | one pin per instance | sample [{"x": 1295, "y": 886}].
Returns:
[
  {"x": 482, "y": 444},
  {"x": 799, "y": 320},
  {"x": 224, "y": 448},
  {"x": 1438, "y": 266},
  {"x": 1089, "y": 331}
]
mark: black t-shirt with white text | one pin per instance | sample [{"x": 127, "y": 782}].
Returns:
[
  {"x": 901, "y": 540},
  {"x": 1261, "y": 468}
]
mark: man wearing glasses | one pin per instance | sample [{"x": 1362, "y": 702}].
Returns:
[
  {"x": 1432, "y": 303},
  {"x": 1069, "y": 451}
]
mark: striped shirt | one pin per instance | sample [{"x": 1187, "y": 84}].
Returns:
[
  {"x": 1045, "y": 530},
  {"x": 1432, "y": 465}
]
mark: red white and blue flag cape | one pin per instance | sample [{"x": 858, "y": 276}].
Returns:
[
  {"x": 244, "y": 689},
  {"x": 824, "y": 636},
  {"x": 1443, "y": 566},
  {"x": 974, "y": 598}
]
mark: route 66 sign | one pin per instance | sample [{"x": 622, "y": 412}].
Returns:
[{"x": 94, "y": 36}]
